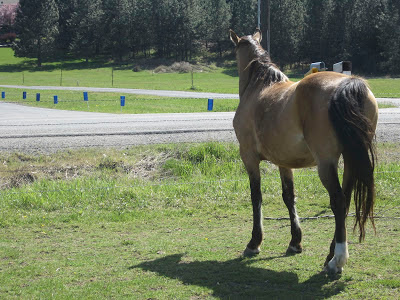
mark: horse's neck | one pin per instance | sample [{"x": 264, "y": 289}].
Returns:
[
  {"x": 245, "y": 80},
  {"x": 248, "y": 78}
]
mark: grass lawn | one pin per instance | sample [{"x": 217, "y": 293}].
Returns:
[
  {"x": 17, "y": 71},
  {"x": 170, "y": 221},
  {"x": 134, "y": 104},
  {"x": 110, "y": 102}
]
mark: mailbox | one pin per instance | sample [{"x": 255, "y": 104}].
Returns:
[
  {"x": 343, "y": 67},
  {"x": 319, "y": 65}
]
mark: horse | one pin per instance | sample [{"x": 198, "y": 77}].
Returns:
[{"x": 312, "y": 122}]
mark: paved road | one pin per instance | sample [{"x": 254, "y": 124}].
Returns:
[
  {"x": 25, "y": 128},
  {"x": 31, "y": 129}
]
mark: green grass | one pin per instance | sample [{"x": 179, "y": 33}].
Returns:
[
  {"x": 18, "y": 71},
  {"x": 134, "y": 104},
  {"x": 170, "y": 221},
  {"x": 110, "y": 102},
  {"x": 386, "y": 105}
]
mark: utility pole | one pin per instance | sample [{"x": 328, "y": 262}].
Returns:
[{"x": 264, "y": 23}]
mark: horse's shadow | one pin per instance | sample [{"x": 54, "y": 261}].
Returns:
[{"x": 236, "y": 278}]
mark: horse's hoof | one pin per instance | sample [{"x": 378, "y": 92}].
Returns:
[
  {"x": 251, "y": 252},
  {"x": 333, "y": 270},
  {"x": 292, "y": 250}
]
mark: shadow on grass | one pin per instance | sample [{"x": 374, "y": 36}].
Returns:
[
  {"x": 238, "y": 279},
  {"x": 233, "y": 72}
]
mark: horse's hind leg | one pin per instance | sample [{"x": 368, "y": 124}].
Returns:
[
  {"x": 348, "y": 183},
  {"x": 289, "y": 199},
  {"x": 252, "y": 164},
  {"x": 329, "y": 177}
]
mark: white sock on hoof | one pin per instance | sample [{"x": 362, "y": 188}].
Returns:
[{"x": 339, "y": 260}]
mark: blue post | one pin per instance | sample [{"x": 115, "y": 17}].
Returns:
[
  {"x": 85, "y": 96},
  {"x": 3, "y": 95},
  {"x": 38, "y": 97},
  {"x": 55, "y": 99},
  {"x": 210, "y": 104},
  {"x": 24, "y": 95},
  {"x": 122, "y": 100}
]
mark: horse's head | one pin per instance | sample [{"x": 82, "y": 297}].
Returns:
[{"x": 247, "y": 48}]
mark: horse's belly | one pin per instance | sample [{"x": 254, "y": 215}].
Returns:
[{"x": 290, "y": 152}]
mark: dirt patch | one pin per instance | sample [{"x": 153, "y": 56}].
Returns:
[
  {"x": 148, "y": 166},
  {"x": 20, "y": 179}
]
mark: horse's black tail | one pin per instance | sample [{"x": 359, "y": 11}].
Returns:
[{"x": 356, "y": 134}]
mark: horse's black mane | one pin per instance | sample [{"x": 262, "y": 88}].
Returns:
[{"x": 263, "y": 68}]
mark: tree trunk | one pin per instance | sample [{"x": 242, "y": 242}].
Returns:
[{"x": 39, "y": 53}]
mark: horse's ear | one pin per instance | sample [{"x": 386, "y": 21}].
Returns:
[
  {"x": 257, "y": 35},
  {"x": 234, "y": 37}
]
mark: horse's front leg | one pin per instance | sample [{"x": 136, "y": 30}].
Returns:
[
  {"x": 253, "y": 169},
  {"x": 289, "y": 199}
]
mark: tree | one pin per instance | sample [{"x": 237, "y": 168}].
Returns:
[
  {"x": 86, "y": 20},
  {"x": 117, "y": 20},
  {"x": 244, "y": 16},
  {"x": 287, "y": 27},
  {"x": 390, "y": 23},
  {"x": 141, "y": 33},
  {"x": 66, "y": 28},
  {"x": 365, "y": 47},
  {"x": 217, "y": 14},
  {"x": 7, "y": 20},
  {"x": 36, "y": 25},
  {"x": 312, "y": 47}
]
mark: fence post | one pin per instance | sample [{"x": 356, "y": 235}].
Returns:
[
  {"x": 122, "y": 102},
  {"x": 210, "y": 104},
  {"x": 86, "y": 98}
]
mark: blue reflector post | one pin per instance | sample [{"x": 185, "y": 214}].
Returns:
[
  {"x": 3, "y": 95},
  {"x": 85, "y": 96},
  {"x": 55, "y": 99},
  {"x": 38, "y": 97},
  {"x": 210, "y": 104},
  {"x": 122, "y": 100},
  {"x": 24, "y": 95}
]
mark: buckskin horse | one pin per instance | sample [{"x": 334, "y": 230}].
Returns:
[{"x": 301, "y": 124}]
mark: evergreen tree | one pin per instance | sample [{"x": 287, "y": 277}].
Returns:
[
  {"x": 66, "y": 33},
  {"x": 287, "y": 27},
  {"x": 312, "y": 48},
  {"x": 365, "y": 47},
  {"x": 117, "y": 20},
  {"x": 217, "y": 14},
  {"x": 37, "y": 27},
  {"x": 142, "y": 33},
  {"x": 389, "y": 37},
  {"x": 86, "y": 20},
  {"x": 244, "y": 16}
]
